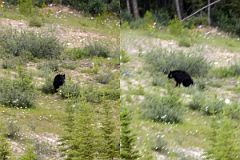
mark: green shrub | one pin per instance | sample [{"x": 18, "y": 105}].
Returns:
[
  {"x": 4, "y": 149},
  {"x": 29, "y": 154},
  {"x": 197, "y": 101},
  {"x": 49, "y": 66},
  {"x": 48, "y": 87},
  {"x": 213, "y": 106},
  {"x": 38, "y": 45},
  {"x": 35, "y": 22},
  {"x": 232, "y": 111},
  {"x": 124, "y": 58},
  {"x": 77, "y": 53},
  {"x": 162, "y": 60},
  {"x": 69, "y": 90},
  {"x": 185, "y": 42},
  {"x": 25, "y": 7},
  {"x": 231, "y": 71},
  {"x": 104, "y": 77},
  {"x": 17, "y": 93},
  {"x": 196, "y": 21},
  {"x": 160, "y": 145},
  {"x": 223, "y": 141},
  {"x": 97, "y": 49},
  {"x": 12, "y": 129},
  {"x": 175, "y": 27},
  {"x": 161, "y": 17},
  {"x": 162, "y": 108},
  {"x": 137, "y": 24}
]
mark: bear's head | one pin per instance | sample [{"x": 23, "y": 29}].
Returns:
[{"x": 170, "y": 75}]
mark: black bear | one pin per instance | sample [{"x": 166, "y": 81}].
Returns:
[
  {"x": 58, "y": 81},
  {"x": 181, "y": 77}
]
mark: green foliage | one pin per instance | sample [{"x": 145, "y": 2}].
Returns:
[
  {"x": 108, "y": 149},
  {"x": 124, "y": 58},
  {"x": 162, "y": 60},
  {"x": 17, "y": 93},
  {"x": 12, "y": 129},
  {"x": 223, "y": 141},
  {"x": 196, "y": 21},
  {"x": 35, "y": 22},
  {"x": 76, "y": 53},
  {"x": 4, "y": 149},
  {"x": 69, "y": 90},
  {"x": 25, "y": 7},
  {"x": 221, "y": 72},
  {"x": 185, "y": 42},
  {"x": 232, "y": 111},
  {"x": 160, "y": 145},
  {"x": 175, "y": 27},
  {"x": 97, "y": 49},
  {"x": 48, "y": 87},
  {"x": 104, "y": 77},
  {"x": 162, "y": 108},
  {"x": 161, "y": 17},
  {"x": 29, "y": 155},
  {"x": 37, "y": 45},
  {"x": 197, "y": 102},
  {"x": 80, "y": 141},
  {"x": 127, "y": 138},
  {"x": 49, "y": 66},
  {"x": 213, "y": 106}
]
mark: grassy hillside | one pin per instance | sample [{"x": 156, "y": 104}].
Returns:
[
  {"x": 36, "y": 48},
  {"x": 178, "y": 123}
]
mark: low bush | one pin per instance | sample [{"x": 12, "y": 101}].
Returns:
[
  {"x": 17, "y": 93},
  {"x": 124, "y": 58},
  {"x": 233, "y": 111},
  {"x": 35, "y": 22},
  {"x": 38, "y": 45},
  {"x": 12, "y": 129},
  {"x": 160, "y": 145},
  {"x": 48, "y": 87},
  {"x": 49, "y": 66},
  {"x": 162, "y": 60},
  {"x": 222, "y": 72},
  {"x": 175, "y": 27},
  {"x": 70, "y": 90},
  {"x": 104, "y": 77},
  {"x": 76, "y": 53},
  {"x": 97, "y": 49},
  {"x": 4, "y": 149},
  {"x": 197, "y": 101},
  {"x": 213, "y": 106},
  {"x": 162, "y": 108},
  {"x": 185, "y": 42}
]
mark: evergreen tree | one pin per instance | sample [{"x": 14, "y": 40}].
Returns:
[
  {"x": 223, "y": 141},
  {"x": 4, "y": 149},
  {"x": 25, "y": 7},
  {"x": 108, "y": 149},
  {"x": 78, "y": 141},
  {"x": 127, "y": 139}
]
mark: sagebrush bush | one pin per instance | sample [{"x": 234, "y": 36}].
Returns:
[
  {"x": 162, "y": 108},
  {"x": 12, "y": 129},
  {"x": 17, "y": 93},
  {"x": 213, "y": 106},
  {"x": 163, "y": 60},
  {"x": 160, "y": 145},
  {"x": 185, "y": 42},
  {"x": 97, "y": 49},
  {"x": 197, "y": 101},
  {"x": 25, "y": 7},
  {"x": 48, "y": 87},
  {"x": 38, "y": 45},
  {"x": 70, "y": 90},
  {"x": 49, "y": 66},
  {"x": 104, "y": 77}
]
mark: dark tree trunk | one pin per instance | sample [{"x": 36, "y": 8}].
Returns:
[{"x": 135, "y": 9}]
